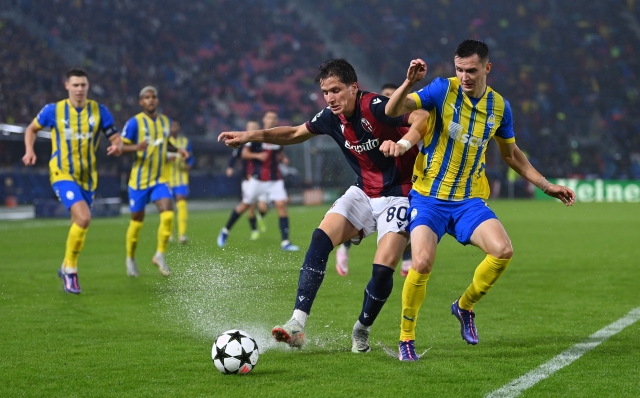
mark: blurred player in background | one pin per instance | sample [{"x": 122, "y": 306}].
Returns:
[
  {"x": 342, "y": 252},
  {"x": 256, "y": 220},
  {"x": 264, "y": 177},
  {"x": 147, "y": 134},
  {"x": 378, "y": 202},
  {"x": 178, "y": 169},
  {"x": 449, "y": 183},
  {"x": 75, "y": 125}
]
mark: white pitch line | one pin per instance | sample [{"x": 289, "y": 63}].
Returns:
[{"x": 565, "y": 358}]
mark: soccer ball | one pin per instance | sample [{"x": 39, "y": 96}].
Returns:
[{"x": 235, "y": 351}]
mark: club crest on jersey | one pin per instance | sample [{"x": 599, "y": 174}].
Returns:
[
  {"x": 491, "y": 120},
  {"x": 366, "y": 125},
  {"x": 364, "y": 147},
  {"x": 92, "y": 121}
]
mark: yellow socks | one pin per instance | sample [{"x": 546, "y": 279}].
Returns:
[
  {"x": 485, "y": 276},
  {"x": 413, "y": 292},
  {"x": 133, "y": 232},
  {"x": 181, "y": 207},
  {"x": 164, "y": 230},
  {"x": 75, "y": 242}
]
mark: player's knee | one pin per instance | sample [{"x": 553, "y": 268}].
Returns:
[
  {"x": 504, "y": 250},
  {"x": 422, "y": 262},
  {"x": 83, "y": 221}
]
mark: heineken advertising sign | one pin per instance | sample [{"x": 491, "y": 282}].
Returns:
[{"x": 598, "y": 190}]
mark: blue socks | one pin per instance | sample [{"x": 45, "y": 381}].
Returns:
[
  {"x": 376, "y": 293},
  {"x": 313, "y": 269},
  {"x": 284, "y": 229}
]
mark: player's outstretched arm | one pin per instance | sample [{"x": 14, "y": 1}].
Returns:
[
  {"x": 400, "y": 102},
  {"x": 419, "y": 126},
  {"x": 514, "y": 157},
  {"x": 286, "y": 135},
  {"x": 115, "y": 149},
  {"x": 30, "y": 134}
]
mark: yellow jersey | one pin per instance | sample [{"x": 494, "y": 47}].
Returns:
[
  {"x": 74, "y": 140},
  {"x": 178, "y": 172},
  {"x": 451, "y": 163},
  {"x": 150, "y": 165}
]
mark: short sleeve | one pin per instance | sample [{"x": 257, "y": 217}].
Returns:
[
  {"x": 321, "y": 122},
  {"x": 47, "y": 116},
  {"x": 426, "y": 97},
  {"x": 106, "y": 121},
  {"x": 505, "y": 130},
  {"x": 191, "y": 161},
  {"x": 377, "y": 106},
  {"x": 130, "y": 131}
]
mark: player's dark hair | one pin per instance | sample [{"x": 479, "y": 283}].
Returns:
[
  {"x": 77, "y": 72},
  {"x": 470, "y": 47},
  {"x": 339, "y": 68},
  {"x": 392, "y": 86},
  {"x": 269, "y": 111}
]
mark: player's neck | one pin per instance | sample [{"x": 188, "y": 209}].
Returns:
[
  {"x": 479, "y": 92},
  {"x": 152, "y": 115},
  {"x": 78, "y": 104}
]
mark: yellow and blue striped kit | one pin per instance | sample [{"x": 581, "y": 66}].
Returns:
[
  {"x": 75, "y": 139},
  {"x": 149, "y": 168},
  {"x": 178, "y": 174},
  {"x": 451, "y": 164}
]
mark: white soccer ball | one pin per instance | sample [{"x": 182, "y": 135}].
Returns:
[{"x": 235, "y": 351}]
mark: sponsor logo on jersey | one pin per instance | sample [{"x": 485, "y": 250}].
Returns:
[
  {"x": 317, "y": 116},
  {"x": 270, "y": 147},
  {"x": 69, "y": 134},
  {"x": 366, "y": 125},
  {"x": 376, "y": 101},
  {"x": 455, "y": 132},
  {"x": 364, "y": 147}
]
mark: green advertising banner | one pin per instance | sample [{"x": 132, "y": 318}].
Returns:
[{"x": 598, "y": 190}]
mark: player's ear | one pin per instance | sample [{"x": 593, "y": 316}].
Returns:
[{"x": 488, "y": 67}]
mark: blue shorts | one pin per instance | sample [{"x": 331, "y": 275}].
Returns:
[
  {"x": 458, "y": 219},
  {"x": 182, "y": 190},
  {"x": 69, "y": 192},
  {"x": 138, "y": 198}
]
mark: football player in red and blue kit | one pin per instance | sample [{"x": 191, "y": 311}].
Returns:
[{"x": 377, "y": 202}]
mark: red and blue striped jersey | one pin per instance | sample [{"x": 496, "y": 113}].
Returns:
[
  {"x": 267, "y": 170},
  {"x": 360, "y": 137}
]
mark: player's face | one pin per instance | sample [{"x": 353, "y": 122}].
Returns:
[
  {"x": 78, "y": 87},
  {"x": 251, "y": 125},
  {"x": 387, "y": 92},
  {"x": 175, "y": 128},
  {"x": 270, "y": 120},
  {"x": 472, "y": 74},
  {"x": 149, "y": 101},
  {"x": 340, "y": 97}
]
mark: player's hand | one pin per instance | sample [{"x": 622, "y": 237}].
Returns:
[
  {"x": 29, "y": 158},
  {"x": 391, "y": 149},
  {"x": 567, "y": 196},
  {"x": 185, "y": 154},
  {"x": 233, "y": 139},
  {"x": 229, "y": 171},
  {"x": 114, "y": 150},
  {"x": 417, "y": 71},
  {"x": 261, "y": 156},
  {"x": 142, "y": 146}
]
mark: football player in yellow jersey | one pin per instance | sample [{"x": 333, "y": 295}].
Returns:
[
  {"x": 179, "y": 179},
  {"x": 147, "y": 134},
  {"x": 75, "y": 126},
  {"x": 449, "y": 182}
]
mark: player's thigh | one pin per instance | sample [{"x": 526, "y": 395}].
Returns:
[
  {"x": 355, "y": 206},
  {"x": 252, "y": 190},
  {"x": 424, "y": 242},
  {"x": 492, "y": 238},
  {"x": 161, "y": 196},
  {"x": 338, "y": 228},
  {"x": 390, "y": 249},
  {"x": 277, "y": 192}
]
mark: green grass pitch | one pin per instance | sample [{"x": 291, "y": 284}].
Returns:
[{"x": 575, "y": 270}]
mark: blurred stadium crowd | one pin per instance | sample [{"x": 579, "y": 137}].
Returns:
[{"x": 571, "y": 73}]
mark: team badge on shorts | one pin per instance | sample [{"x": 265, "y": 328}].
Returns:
[
  {"x": 414, "y": 213},
  {"x": 70, "y": 195}
]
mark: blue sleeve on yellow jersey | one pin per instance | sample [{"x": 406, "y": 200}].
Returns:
[
  {"x": 106, "y": 121},
  {"x": 505, "y": 130},
  {"x": 47, "y": 116},
  {"x": 130, "y": 131},
  {"x": 192, "y": 160},
  {"x": 377, "y": 106},
  {"x": 433, "y": 94}
]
